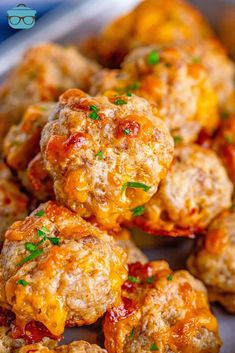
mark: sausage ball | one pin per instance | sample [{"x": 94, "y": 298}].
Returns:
[
  {"x": 195, "y": 191},
  {"x": 152, "y": 21},
  {"x": 58, "y": 269},
  {"x": 167, "y": 77},
  {"x": 74, "y": 347},
  {"x": 224, "y": 144},
  {"x": 161, "y": 311},
  {"x": 13, "y": 203},
  {"x": 213, "y": 261},
  {"x": 106, "y": 155},
  {"x": 134, "y": 254},
  {"x": 22, "y": 141},
  {"x": 43, "y": 74}
]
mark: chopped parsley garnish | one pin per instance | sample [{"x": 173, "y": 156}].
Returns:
[
  {"x": 138, "y": 211},
  {"x": 133, "y": 86},
  {"x": 229, "y": 139},
  {"x": 154, "y": 347},
  {"x": 196, "y": 59},
  {"x": 133, "y": 279},
  {"x": 31, "y": 247},
  {"x": 178, "y": 139},
  {"x": 42, "y": 231},
  {"x": 94, "y": 116},
  {"x": 100, "y": 155},
  {"x": 150, "y": 280},
  {"x": 129, "y": 94},
  {"x": 30, "y": 257},
  {"x": 40, "y": 213},
  {"x": 153, "y": 58},
  {"x": 22, "y": 282},
  {"x": 54, "y": 241},
  {"x": 170, "y": 277},
  {"x": 126, "y": 131},
  {"x": 134, "y": 185},
  {"x": 132, "y": 334},
  {"x": 120, "y": 101},
  {"x": 94, "y": 108}
]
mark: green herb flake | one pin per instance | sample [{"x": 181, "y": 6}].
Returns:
[
  {"x": 196, "y": 59},
  {"x": 154, "y": 347},
  {"x": 170, "y": 277},
  {"x": 153, "y": 58},
  {"x": 132, "y": 334},
  {"x": 40, "y": 213},
  {"x": 43, "y": 108},
  {"x": 224, "y": 115},
  {"x": 129, "y": 94},
  {"x": 120, "y": 101},
  {"x": 22, "y": 282},
  {"x": 134, "y": 185},
  {"x": 42, "y": 231},
  {"x": 150, "y": 280},
  {"x": 31, "y": 247},
  {"x": 94, "y": 108},
  {"x": 133, "y": 86},
  {"x": 54, "y": 241},
  {"x": 133, "y": 279},
  {"x": 178, "y": 139},
  {"x": 100, "y": 155},
  {"x": 229, "y": 139},
  {"x": 94, "y": 116},
  {"x": 30, "y": 257},
  {"x": 138, "y": 211},
  {"x": 126, "y": 131}
]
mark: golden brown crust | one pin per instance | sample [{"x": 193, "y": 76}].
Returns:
[
  {"x": 213, "y": 260},
  {"x": 152, "y": 21},
  {"x": 162, "y": 311},
  {"x": 97, "y": 146},
  {"x": 86, "y": 264},
  {"x": 169, "y": 78},
  {"x": 195, "y": 191}
]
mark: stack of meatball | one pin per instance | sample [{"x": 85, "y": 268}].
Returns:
[{"x": 139, "y": 132}]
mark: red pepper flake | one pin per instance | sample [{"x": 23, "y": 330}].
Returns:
[{"x": 124, "y": 310}]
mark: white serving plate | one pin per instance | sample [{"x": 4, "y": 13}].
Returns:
[{"x": 72, "y": 22}]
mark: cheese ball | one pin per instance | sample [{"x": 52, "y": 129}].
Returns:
[
  {"x": 74, "y": 347},
  {"x": 14, "y": 204},
  {"x": 58, "y": 270},
  {"x": 106, "y": 155},
  {"x": 195, "y": 191},
  {"x": 152, "y": 21},
  {"x": 213, "y": 260},
  {"x": 43, "y": 74},
  {"x": 161, "y": 311},
  {"x": 224, "y": 144},
  {"x": 168, "y": 77}
]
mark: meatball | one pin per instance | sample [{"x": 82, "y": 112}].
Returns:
[
  {"x": 152, "y": 21},
  {"x": 106, "y": 155},
  {"x": 13, "y": 203},
  {"x": 161, "y": 311},
  {"x": 213, "y": 261},
  {"x": 58, "y": 269},
  {"x": 224, "y": 144},
  {"x": 169, "y": 78},
  {"x": 22, "y": 141},
  {"x": 43, "y": 74},
  {"x": 134, "y": 254},
  {"x": 75, "y": 347},
  {"x": 194, "y": 192}
]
